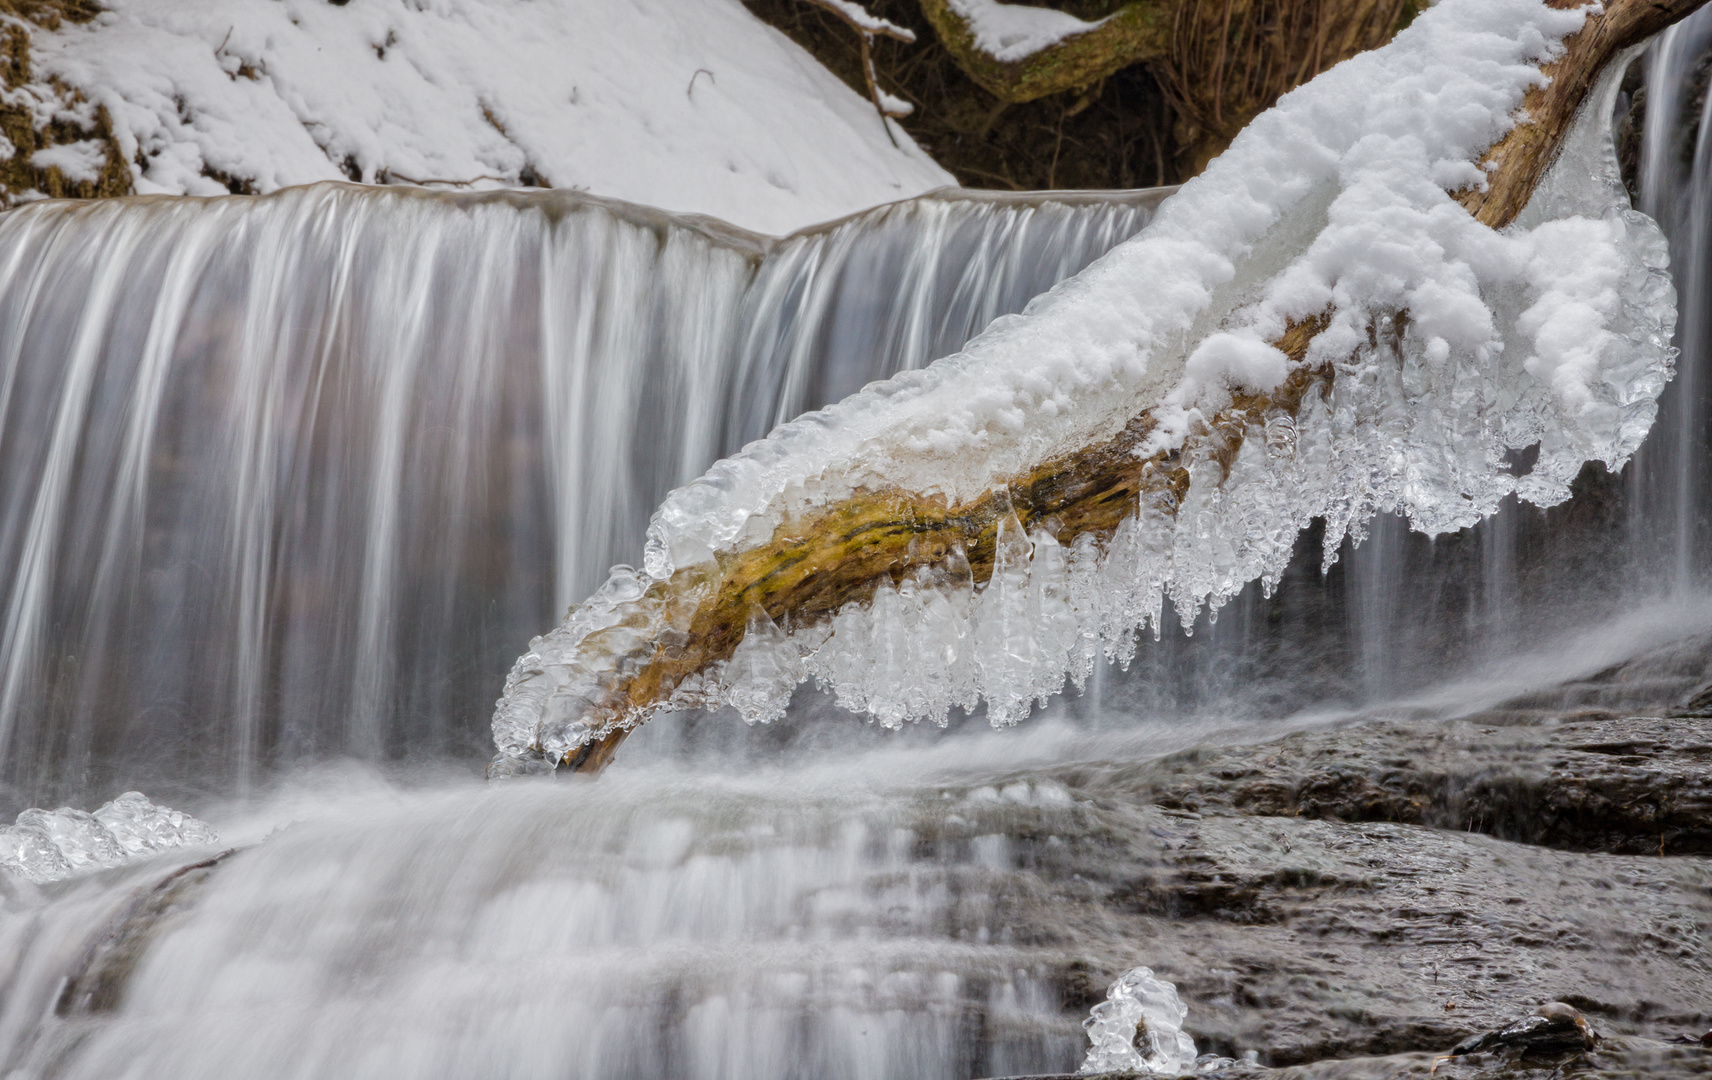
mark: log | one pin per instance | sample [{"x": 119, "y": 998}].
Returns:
[
  {"x": 1219, "y": 63},
  {"x": 1134, "y": 33},
  {"x": 813, "y": 565}
]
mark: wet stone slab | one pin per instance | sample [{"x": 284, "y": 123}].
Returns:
[{"x": 1384, "y": 891}]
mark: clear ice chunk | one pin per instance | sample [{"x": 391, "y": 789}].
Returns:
[
  {"x": 47, "y": 845},
  {"x": 1139, "y": 1028}
]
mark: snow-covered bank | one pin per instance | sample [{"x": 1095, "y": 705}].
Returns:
[{"x": 692, "y": 105}]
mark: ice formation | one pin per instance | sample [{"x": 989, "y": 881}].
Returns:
[
  {"x": 1139, "y": 1028},
  {"x": 46, "y": 845},
  {"x": 1451, "y": 344}
]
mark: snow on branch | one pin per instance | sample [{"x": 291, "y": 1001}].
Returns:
[
  {"x": 865, "y": 21},
  {"x": 868, "y": 26},
  {"x": 1013, "y": 32}
]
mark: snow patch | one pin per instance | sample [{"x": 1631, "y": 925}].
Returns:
[
  {"x": 80, "y": 162},
  {"x": 692, "y": 106},
  {"x": 1241, "y": 359}
]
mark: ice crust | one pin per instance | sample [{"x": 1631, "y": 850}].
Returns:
[
  {"x": 47, "y": 845},
  {"x": 1139, "y": 1028},
  {"x": 1337, "y": 202}
]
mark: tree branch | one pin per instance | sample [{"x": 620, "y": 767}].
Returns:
[
  {"x": 1136, "y": 32},
  {"x": 813, "y": 565},
  {"x": 868, "y": 27}
]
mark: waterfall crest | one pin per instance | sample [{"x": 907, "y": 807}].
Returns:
[{"x": 298, "y": 475}]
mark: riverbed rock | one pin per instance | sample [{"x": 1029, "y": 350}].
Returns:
[
  {"x": 1586, "y": 781},
  {"x": 1359, "y": 901}
]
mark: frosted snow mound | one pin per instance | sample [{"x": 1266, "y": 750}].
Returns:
[
  {"x": 1451, "y": 345},
  {"x": 47, "y": 845},
  {"x": 692, "y": 106},
  {"x": 1012, "y": 32}
]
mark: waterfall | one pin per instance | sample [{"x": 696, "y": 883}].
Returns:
[
  {"x": 295, "y": 477},
  {"x": 1670, "y": 487},
  {"x": 298, "y": 475},
  {"x": 849, "y": 927}
]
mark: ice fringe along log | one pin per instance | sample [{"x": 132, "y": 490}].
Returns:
[{"x": 1362, "y": 306}]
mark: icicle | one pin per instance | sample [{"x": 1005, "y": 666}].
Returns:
[
  {"x": 1005, "y": 645},
  {"x": 763, "y": 671}
]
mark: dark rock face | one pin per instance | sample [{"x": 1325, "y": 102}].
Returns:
[
  {"x": 1358, "y": 902},
  {"x": 1584, "y": 782}
]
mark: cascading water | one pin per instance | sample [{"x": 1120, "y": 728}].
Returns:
[
  {"x": 294, "y": 477},
  {"x": 299, "y": 475},
  {"x": 1670, "y": 486},
  {"x": 838, "y": 925}
]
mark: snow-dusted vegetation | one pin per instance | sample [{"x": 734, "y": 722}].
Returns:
[{"x": 690, "y": 107}]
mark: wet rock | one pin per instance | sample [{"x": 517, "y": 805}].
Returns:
[
  {"x": 97, "y": 981},
  {"x": 1584, "y": 782},
  {"x": 1356, "y": 902},
  {"x": 1307, "y": 940},
  {"x": 1552, "y": 1030}
]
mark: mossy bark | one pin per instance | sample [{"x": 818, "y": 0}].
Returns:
[
  {"x": 811, "y": 566},
  {"x": 1134, "y": 33}
]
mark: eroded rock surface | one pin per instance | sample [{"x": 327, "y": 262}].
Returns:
[
  {"x": 1359, "y": 901},
  {"x": 1588, "y": 781}
]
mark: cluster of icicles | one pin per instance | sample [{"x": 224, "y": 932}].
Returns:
[
  {"x": 1402, "y": 423},
  {"x": 47, "y": 845}
]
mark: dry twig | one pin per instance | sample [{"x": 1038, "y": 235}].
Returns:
[{"x": 868, "y": 27}]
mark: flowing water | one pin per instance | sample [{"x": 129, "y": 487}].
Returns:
[
  {"x": 292, "y": 479},
  {"x": 299, "y": 476}
]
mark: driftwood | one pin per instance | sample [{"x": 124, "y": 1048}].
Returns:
[{"x": 812, "y": 566}]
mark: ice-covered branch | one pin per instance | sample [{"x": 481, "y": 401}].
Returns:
[{"x": 1411, "y": 266}]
